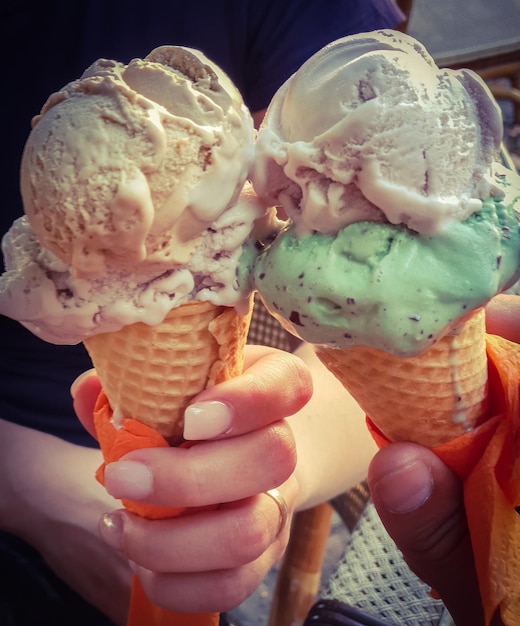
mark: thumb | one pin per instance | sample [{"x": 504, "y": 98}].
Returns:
[
  {"x": 420, "y": 502},
  {"x": 84, "y": 391}
]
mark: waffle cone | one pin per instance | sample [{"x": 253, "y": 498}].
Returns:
[
  {"x": 429, "y": 399},
  {"x": 151, "y": 373}
]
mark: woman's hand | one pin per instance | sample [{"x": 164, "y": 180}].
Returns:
[{"x": 211, "y": 560}]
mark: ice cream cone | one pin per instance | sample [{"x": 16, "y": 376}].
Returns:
[
  {"x": 150, "y": 373},
  {"x": 429, "y": 399}
]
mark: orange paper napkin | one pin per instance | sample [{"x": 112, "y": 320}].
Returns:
[
  {"x": 115, "y": 443},
  {"x": 487, "y": 460}
]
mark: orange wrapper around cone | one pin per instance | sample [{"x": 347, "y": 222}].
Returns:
[
  {"x": 149, "y": 376},
  {"x": 486, "y": 458}
]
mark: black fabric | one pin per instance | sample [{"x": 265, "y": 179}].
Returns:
[
  {"x": 336, "y": 613},
  {"x": 31, "y": 595}
]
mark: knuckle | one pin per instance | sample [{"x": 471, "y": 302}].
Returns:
[
  {"x": 281, "y": 449},
  {"x": 436, "y": 542},
  {"x": 257, "y": 386},
  {"x": 297, "y": 382},
  {"x": 251, "y": 535},
  {"x": 191, "y": 485},
  {"x": 233, "y": 586},
  {"x": 298, "y": 377}
]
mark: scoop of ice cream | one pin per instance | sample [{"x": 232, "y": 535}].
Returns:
[
  {"x": 370, "y": 129},
  {"x": 127, "y": 167},
  {"x": 133, "y": 181},
  {"x": 386, "y": 286},
  {"x": 40, "y": 290}
]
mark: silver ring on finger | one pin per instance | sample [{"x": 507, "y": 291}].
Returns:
[{"x": 275, "y": 495}]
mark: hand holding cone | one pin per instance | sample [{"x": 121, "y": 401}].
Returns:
[
  {"x": 149, "y": 375},
  {"x": 421, "y": 399}
]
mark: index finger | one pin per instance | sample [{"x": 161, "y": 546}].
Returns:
[{"x": 275, "y": 384}]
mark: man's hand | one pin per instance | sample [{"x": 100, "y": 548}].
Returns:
[{"x": 420, "y": 502}]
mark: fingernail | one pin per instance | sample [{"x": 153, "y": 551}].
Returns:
[
  {"x": 111, "y": 530},
  {"x": 205, "y": 420},
  {"x": 128, "y": 479},
  {"x": 405, "y": 489},
  {"x": 79, "y": 380}
]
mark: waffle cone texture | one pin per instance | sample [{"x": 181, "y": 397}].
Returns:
[
  {"x": 428, "y": 399},
  {"x": 151, "y": 373}
]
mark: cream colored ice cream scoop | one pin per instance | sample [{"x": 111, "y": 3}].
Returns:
[
  {"x": 127, "y": 167},
  {"x": 133, "y": 181},
  {"x": 369, "y": 128}
]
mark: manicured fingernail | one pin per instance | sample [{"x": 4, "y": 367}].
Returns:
[
  {"x": 111, "y": 529},
  {"x": 128, "y": 479},
  {"x": 205, "y": 420},
  {"x": 407, "y": 488},
  {"x": 79, "y": 380}
]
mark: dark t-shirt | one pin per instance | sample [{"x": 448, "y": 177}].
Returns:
[{"x": 44, "y": 45}]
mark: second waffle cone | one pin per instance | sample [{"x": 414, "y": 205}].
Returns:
[
  {"x": 151, "y": 373},
  {"x": 428, "y": 399}
]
